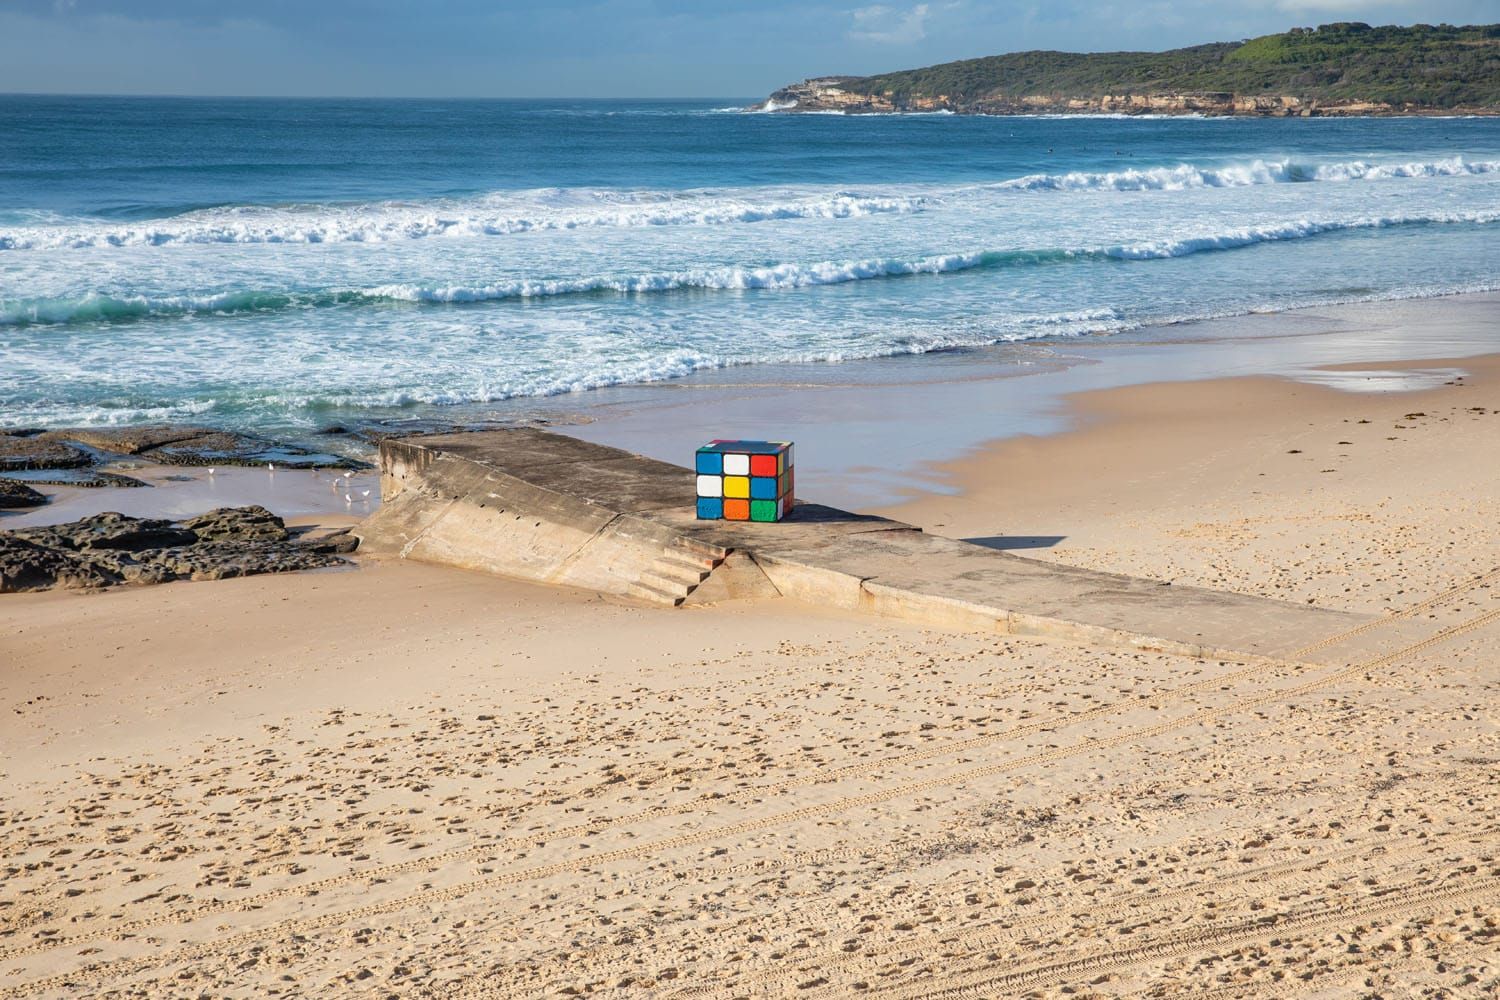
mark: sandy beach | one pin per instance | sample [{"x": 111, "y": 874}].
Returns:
[
  {"x": 1355, "y": 500},
  {"x": 408, "y": 780}
]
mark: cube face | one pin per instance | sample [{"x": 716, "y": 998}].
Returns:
[{"x": 744, "y": 480}]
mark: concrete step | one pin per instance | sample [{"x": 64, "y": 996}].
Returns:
[
  {"x": 691, "y": 552},
  {"x": 654, "y": 594},
  {"x": 670, "y": 584},
  {"x": 689, "y": 574}
]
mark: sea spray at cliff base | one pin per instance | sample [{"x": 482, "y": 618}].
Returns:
[{"x": 535, "y": 248}]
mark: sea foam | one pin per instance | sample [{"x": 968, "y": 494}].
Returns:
[
  {"x": 1185, "y": 176},
  {"x": 513, "y": 213},
  {"x": 496, "y": 215},
  {"x": 95, "y": 306}
]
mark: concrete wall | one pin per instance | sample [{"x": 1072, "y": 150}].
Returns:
[{"x": 442, "y": 507}]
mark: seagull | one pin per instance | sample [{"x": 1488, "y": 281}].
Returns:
[
  {"x": 366, "y": 493},
  {"x": 270, "y": 467},
  {"x": 212, "y": 471},
  {"x": 348, "y": 498}
]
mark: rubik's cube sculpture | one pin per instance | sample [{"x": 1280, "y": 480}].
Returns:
[{"x": 744, "y": 480}]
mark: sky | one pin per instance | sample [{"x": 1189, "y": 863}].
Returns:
[{"x": 596, "y": 48}]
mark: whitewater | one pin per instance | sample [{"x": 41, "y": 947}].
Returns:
[{"x": 371, "y": 259}]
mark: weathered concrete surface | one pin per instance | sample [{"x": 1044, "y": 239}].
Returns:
[
  {"x": 576, "y": 518},
  {"x": 542, "y": 506}
]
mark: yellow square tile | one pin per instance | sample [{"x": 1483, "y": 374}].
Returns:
[{"x": 737, "y": 487}]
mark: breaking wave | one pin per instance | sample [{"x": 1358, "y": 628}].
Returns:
[
  {"x": 1186, "y": 175},
  {"x": 101, "y": 307},
  {"x": 494, "y": 216},
  {"x": 579, "y": 209}
]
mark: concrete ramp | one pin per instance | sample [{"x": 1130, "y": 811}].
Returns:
[{"x": 545, "y": 507}]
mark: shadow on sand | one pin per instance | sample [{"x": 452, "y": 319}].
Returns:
[{"x": 1004, "y": 542}]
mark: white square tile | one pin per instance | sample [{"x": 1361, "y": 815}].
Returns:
[
  {"x": 736, "y": 465},
  {"x": 710, "y": 486}
]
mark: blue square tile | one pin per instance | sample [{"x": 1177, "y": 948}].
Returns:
[
  {"x": 762, "y": 488},
  {"x": 710, "y": 509},
  {"x": 710, "y": 463}
]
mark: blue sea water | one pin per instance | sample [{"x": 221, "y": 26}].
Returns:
[{"x": 283, "y": 264}]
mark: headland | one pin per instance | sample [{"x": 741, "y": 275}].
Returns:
[{"x": 1335, "y": 70}]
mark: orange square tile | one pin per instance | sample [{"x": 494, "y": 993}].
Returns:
[{"x": 736, "y": 510}]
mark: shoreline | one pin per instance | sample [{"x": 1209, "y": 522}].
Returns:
[
  {"x": 1263, "y": 485},
  {"x": 872, "y": 431}
]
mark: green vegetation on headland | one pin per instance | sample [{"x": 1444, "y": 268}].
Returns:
[{"x": 1346, "y": 68}]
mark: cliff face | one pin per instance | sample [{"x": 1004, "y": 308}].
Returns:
[{"x": 827, "y": 94}]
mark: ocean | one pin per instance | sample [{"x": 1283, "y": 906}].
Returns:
[{"x": 285, "y": 264}]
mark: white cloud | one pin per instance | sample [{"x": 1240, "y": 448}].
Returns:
[{"x": 889, "y": 25}]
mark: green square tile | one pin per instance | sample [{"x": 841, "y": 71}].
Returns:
[{"x": 762, "y": 510}]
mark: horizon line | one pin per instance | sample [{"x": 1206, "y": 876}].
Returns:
[{"x": 356, "y": 97}]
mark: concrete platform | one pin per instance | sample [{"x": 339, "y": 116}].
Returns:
[{"x": 546, "y": 507}]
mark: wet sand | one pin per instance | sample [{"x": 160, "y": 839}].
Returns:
[
  {"x": 331, "y": 496},
  {"x": 407, "y": 780},
  {"x": 1266, "y": 486}
]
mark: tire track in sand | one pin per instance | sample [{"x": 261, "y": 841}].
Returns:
[
  {"x": 766, "y": 973},
  {"x": 1304, "y": 872},
  {"x": 1409, "y": 900},
  {"x": 120, "y": 967},
  {"x": 861, "y": 769}
]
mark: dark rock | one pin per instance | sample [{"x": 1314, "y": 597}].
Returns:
[
  {"x": 288, "y": 457},
  {"x": 25, "y": 565},
  {"x": 244, "y": 524},
  {"x": 127, "y": 440},
  {"x": 334, "y": 429},
  {"x": 395, "y": 429},
  {"x": 125, "y": 566},
  {"x": 339, "y": 542},
  {"x": 208, "y": 448},
  {"x": 14, "y": 494},
  {"x": 112, "y": 548},
  {"x": 110, "y": 531},
  {"x": 221, "y": 560},
  {"x": 37, "y": 452},
  {"x": 228, "y": 448},
  {"x": 82, "y": 478},
  {"x": 166, "y": 444}
]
